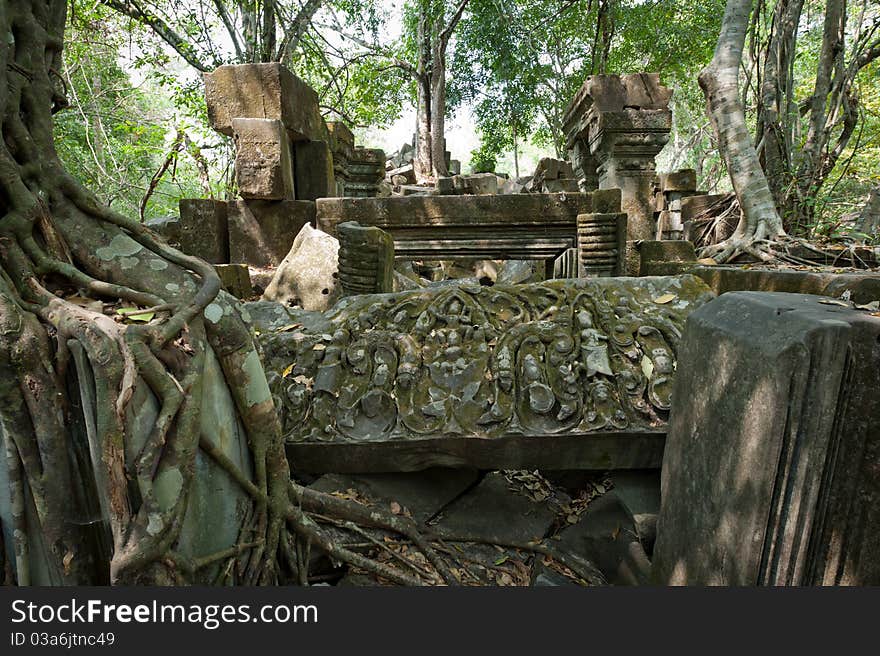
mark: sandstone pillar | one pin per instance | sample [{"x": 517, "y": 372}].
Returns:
[{"x": 615, "y": 126}]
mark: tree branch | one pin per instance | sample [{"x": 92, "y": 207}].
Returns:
[
  {"x": 450, "y": 26},
  {"x": 161, "y": 28}
]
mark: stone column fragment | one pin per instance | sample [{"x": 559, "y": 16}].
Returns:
[
  {"x": 615, "y": 126},
  {"x": 366, "y": 259},
  {"x": 601, "y": 244},
  {"x": 770, "y": 471}
]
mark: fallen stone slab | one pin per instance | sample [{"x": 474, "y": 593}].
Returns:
[
  {"x": 493, "y": 512},
  {"x": 235, "y": 279},
  {"x": 639, "y": 494},
  {"x": 565, "y": 374},
  {"x": 606, "y": 537},
  {"x": 666, "y": 258},
  {"x": 420, "y": 495},
  {"x": 862, "y": 287},
  {"x": 770, "y": 470}
]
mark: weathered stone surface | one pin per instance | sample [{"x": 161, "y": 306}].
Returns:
[
  {"x": 166, "y": 226},
  {"x": 614, "y": 127},
  {"x": 421, "y": 494},
  {"x": 681, "y": 180},
  {"x": 601, "y": 244},
  {"x": 694, "y": 205},
  {"x": 445, "y": 185},
  {"x": 518, "y": 226},
  {"x": 261, "y": 232},
  {"x": 666, "y": 258},
  {"x": 263, "y": 166},
  {"x": 639, "y": 493},
  {"x": 492, "y": 511},
  {"x": 405, "y": 172},
  {"x": 548, "y": 169},
  {"x": 476, "y": 183},
  {"x": 517, "y": 272},
  {"x": 204, "y": 229},
  {"x": 263, "y": 91},
  {"x": 366, "y": 259},
  {"x": 486, "y": 376},
  {"x": 863, "y": 288},
  {"x": 506, "y": 186},
  {"x": 235, "y": 279},
  {"x": 363, "y": 173},
  {"x": 307, "y": 275},
  {"x": 606, "y": 536},
  {"x": 770, "y": 469},
  {"x": 313, "y": 168},
  {"x": 566, "y": 185},
  {"x": 340, "y": 135}
]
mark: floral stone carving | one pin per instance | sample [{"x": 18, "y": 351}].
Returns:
[{"x": 560, "y": 357}]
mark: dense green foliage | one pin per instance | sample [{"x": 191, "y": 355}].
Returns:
[{"x": 137, "y": 99}]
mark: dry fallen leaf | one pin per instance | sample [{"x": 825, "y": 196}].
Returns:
[
  {"x": 131, "y": 314},
  {"x": 647, "y": 366},
  {"x": 68, "y": 558},
  {"x": 665, "y": 298},
  {"x": 287, "y": 370}
]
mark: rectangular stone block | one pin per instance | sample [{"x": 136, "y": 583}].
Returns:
[
  {"x": 862, "y": 288},
  {"x": 516, "y": 226},
  {"x": 313, "y": 167},
  {"x": 340, "y": 135},
  {"x": 666, "y": 258},
  {"x": 681, "y": 180},
  {"x": 261, "y": 232},
  {"x": 203, "y": 229},
  {"x": 235, "y": 279},
  {"x": 263, "y": 91},
  {"x": 770, "y": 472},
  {"x": 263, "y": 163}
]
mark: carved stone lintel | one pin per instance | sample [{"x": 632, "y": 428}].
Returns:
[
  {"x": 366, "y": 259},
  {"x": 562, "y": 357}
]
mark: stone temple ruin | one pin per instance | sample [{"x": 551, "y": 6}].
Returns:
[{"x": 668, "y": 422}]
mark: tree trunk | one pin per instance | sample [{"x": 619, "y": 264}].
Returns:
[
  {"x": 775, "y": 111},
  {"x": 132, "y": 452},
  {"x": 438, "y": 112},
  {"x": 869, "y": 218},
  {"x": 720, "y": 84},
  {"x": 98, "y": 453},
  {"x": 424, "y": 150}
]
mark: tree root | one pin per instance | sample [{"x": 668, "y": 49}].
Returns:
[{"x": 767, "y": 250}]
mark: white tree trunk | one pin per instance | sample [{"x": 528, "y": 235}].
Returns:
[
  {"x": 720, "y": 84},
  {"x": 438, "y": 112},
  {"x": 422, "y": 161}
]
